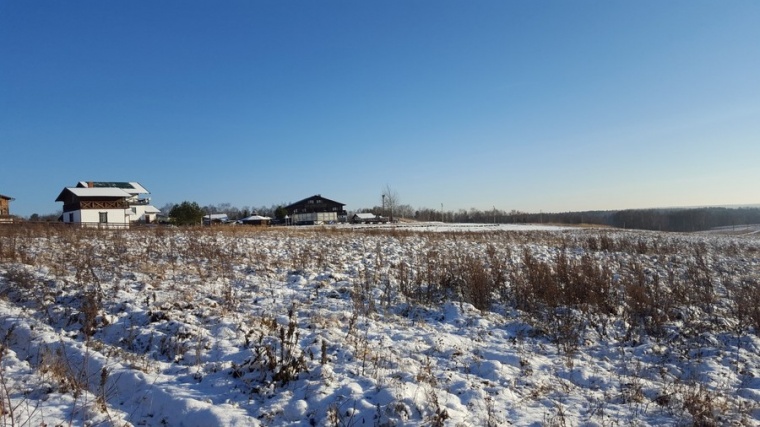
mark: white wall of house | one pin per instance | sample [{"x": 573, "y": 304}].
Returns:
[
  {"x": 71, "y": 217},
  {"x": 138, "y": 213},
  {"x": 116, "y": 217}
]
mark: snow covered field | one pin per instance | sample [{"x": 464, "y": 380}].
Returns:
[{"x": 378, "y": 326}]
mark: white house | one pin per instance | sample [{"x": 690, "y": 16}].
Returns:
[{"x": 106, "y": 204}]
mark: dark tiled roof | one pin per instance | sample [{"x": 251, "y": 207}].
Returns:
[{"x": 314, "y": 197}]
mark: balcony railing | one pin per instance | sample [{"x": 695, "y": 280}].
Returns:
[{"x": 139, "y": 202}]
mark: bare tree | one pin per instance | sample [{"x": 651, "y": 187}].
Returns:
[
  {"x": 390, "y": 200},
  {"x": 165, "y": 209}
]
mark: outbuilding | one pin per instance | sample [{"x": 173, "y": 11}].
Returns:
[{"x": 256, "y": 220}]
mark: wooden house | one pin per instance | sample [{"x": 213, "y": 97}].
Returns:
[
  {"x": 5, "y": 208},
  {"x": 106, "y": 204},
  {"x": 316, "y": 210}
]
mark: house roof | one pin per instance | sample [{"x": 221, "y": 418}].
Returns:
[
  {"x": 129, "y": 187},
  {"x": 115, "y": 193},
  {"x": 6, "y": 197},
  {"x": 256, "y": 218},
  {"x": 152, "y": 209},
  {"x": 316, "y": 196}
]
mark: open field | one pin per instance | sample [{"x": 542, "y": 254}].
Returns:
[{"x": 378, "y": 326}]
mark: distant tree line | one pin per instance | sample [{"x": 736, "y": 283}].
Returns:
[
  {"x": 685, "y": 219},
  {"x": 691, "y": 219},
  {"x": 695, "y": 219}
]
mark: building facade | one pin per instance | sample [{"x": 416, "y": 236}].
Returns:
[
  {"x": 5, "y": 208},
  {"x": 106, "y": 204},
  {"x": 316, "y": 210},
  {"x": 368, "y": 218}
]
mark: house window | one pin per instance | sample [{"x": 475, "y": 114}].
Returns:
[
  {"x": 134, "y": 209},
  {"x": 103, "y": 217},
  {"x": 71, "y": 217}
]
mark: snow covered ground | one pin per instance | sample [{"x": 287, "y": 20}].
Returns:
[
  {"x": 737, "y": 229},
  {"x": 444, "y": 227},
  {"x": 426, "y": 324}
]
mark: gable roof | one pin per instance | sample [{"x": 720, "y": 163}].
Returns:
[
  {"x": 314, "y": 197},
  {"x": 115, "y": 193},
  {"x": 129, "y": 187},
  {"x": 6, "y": 197},
  {"x": 256, "y": 218}
]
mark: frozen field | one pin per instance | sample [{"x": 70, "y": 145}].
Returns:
[{"x": 413, "y": 325}]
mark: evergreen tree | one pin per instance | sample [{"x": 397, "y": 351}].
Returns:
[
  {"x": 186, "y": 213},
  {"x": 280, "y": 212}
]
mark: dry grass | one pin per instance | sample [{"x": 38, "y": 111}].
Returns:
[{"x": 563, "y": 284}]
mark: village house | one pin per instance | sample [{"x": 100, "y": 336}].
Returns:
[
  {"x": 316, "y": 210},
  {"x": 214, "y": 219},
  {"x": 5, "y": 210},
  {"x": 106, "y": 204},
  {"x": 255, "y": 220},
  {"x": 368, "y": 218}
]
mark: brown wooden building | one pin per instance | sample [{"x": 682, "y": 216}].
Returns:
[
  {"x": 5, "y": 208},
  {"x": 316, "y": 210}
]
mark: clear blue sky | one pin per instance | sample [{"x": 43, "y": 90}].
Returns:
[{"x": 528, "y": 105}]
